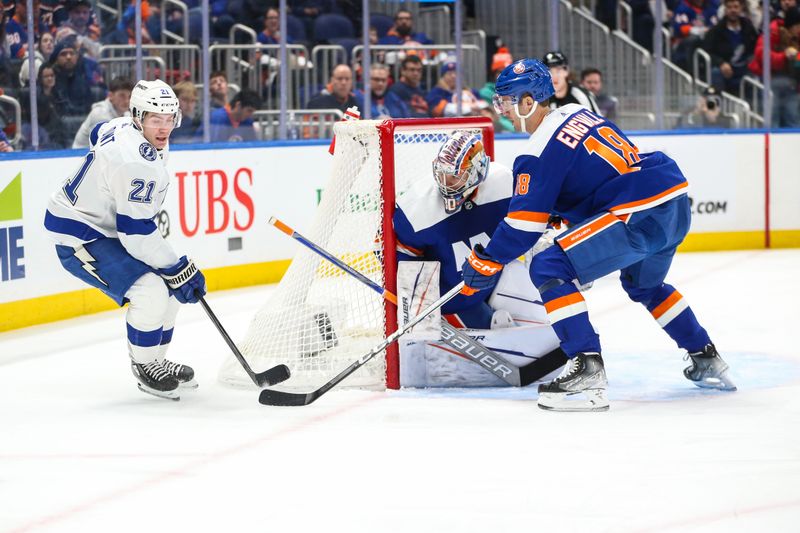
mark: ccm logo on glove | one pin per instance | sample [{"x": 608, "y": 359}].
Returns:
[
  {"x": 479, "y": 271},
  {"x": 484, "y": 266}
]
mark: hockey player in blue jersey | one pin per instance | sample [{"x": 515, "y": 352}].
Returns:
[
  {"x": 101, "y": 219},
  {"x": 628, "y": 210},
  {"x": 441, "y": 219}
]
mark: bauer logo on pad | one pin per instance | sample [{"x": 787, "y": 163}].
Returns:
[{"x": 417, "y": 288}]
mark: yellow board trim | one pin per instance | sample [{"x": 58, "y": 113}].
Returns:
[
  {"x": 727, "y": 240},
  {"x": 23, "y": 313},
  {"x": 784, "y": 239}
]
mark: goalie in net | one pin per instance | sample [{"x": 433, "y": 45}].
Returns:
[
  {"x": 442, "y": 219},
  {"x": 319, "y": 318}
]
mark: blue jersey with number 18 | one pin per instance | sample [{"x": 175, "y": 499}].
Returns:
[
  {"x": 115, "y": 192},
  {"x": 578, "y": 165}
]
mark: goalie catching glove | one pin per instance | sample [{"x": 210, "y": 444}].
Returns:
[
  {"x": 185, "y": 281},
  {"x": 480, "y": 271}
]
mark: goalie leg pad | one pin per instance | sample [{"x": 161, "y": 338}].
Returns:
[{"x": 418, "y": 287}]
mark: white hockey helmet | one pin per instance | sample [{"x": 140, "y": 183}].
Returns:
[
  {"x": 460, "y": 166},
  {"x": 154, "y": 97}
]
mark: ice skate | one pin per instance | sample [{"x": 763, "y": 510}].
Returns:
[
  {"x": 581, "y": 386},
  {"x": 154, "y": 379},
  {"x": 183, "y": 373},
  {"x": 708, "y": 370}
]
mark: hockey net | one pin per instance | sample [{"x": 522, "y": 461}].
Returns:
[{"x": 319, "y": 319}]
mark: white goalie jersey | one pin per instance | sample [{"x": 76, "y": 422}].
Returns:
[{"x": 115, "y": 193}]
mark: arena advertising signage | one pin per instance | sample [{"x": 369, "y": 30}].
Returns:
[
  {"x": 12, "y": 246},
  {"x": 720, "y": 169},
  {"x": 216, "y": 211},
  {"x": 219, "y": 201},
  {"x": 726, "y": 192}
]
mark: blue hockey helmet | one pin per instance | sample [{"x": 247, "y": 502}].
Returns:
[{"x": 526, "y": 76}]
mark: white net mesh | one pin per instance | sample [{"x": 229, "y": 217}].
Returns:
[{"x": 319, "y": 319}]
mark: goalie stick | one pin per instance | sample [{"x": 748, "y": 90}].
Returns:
[
  {"x": 465, "y": 345},
  {"x": 273, "y": 376},
  {"x": 274, "y": 397}
]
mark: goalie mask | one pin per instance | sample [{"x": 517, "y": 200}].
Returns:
[
  {"x": 460, "y": 166},
  {"x": 154, "y": 97}
]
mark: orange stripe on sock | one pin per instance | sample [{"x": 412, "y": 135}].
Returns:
[
  {"x": 665, "y": 306},
  {"x": 558, "y": 303}
]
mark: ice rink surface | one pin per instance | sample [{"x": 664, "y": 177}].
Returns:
[{"x": 81, "y": 449}]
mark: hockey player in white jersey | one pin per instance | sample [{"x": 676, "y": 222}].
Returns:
[{"x": 102, "y": 221}]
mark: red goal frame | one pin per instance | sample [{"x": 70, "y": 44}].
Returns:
[{"x": 386, "y": 131}]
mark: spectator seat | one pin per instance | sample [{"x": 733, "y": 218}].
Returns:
[
  {"x": 348, "y": 43},
  {"x": 332, "y": 26},
  {"x": 295, "y": 29},
  {"x": 382, "y": 23}
]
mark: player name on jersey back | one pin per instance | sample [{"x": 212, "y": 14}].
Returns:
[{"x": 574, "y": 129}]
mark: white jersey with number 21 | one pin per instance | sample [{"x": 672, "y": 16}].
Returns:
[{"x": 116, "y": 192}]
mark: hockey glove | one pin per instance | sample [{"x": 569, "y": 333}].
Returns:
[
  {"x": 480, "y": 272},
  {"x": 183, "y": 279}
]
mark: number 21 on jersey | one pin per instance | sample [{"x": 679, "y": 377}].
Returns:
[
  {"x": 616, "y": 151},
  {"x": 71, "y": 186}
]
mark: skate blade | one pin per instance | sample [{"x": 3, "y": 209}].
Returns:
[
  {"x": 583, "y": 401},
  {"x": 167, "y": 395},
  {"x": 188, "y": 385},
  {"x": 723, "y": 382}
]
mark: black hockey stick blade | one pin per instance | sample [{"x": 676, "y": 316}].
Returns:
[
  {"x": 273, "y": 376},
  {"x": 538, "y": 369},
  {"x": 286, "y": 399}
]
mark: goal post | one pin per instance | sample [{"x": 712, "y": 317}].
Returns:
[
  {"x": 418, "y": 130},
  {"x": 318, "y": 319}
]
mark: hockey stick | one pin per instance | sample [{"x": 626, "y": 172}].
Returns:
[
  {"x": 273, "y": 376},
  {"x": 461, "y": 342},
  {"x": 274, "y": 397},
  {"x": 333, "y": 259}
]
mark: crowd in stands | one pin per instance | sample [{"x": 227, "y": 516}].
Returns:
[
  {"x": 73, "y": 94},
  {"x": 730, "y": 32}
]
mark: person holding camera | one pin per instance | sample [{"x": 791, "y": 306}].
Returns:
[{"x": 707, "y": 113}]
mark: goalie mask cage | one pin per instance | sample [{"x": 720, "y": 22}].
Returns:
[{"x": 319, "y": 319}]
